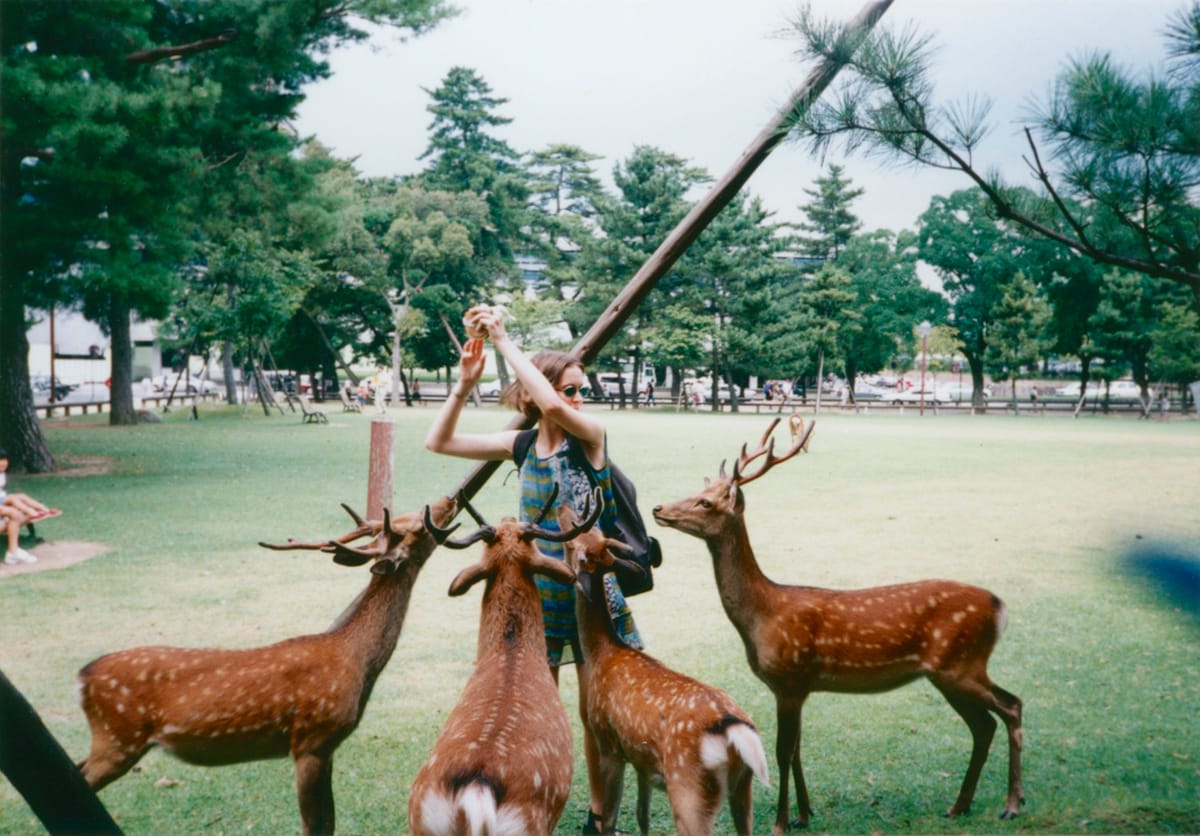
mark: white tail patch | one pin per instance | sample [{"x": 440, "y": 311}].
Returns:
[
  {"x": 478, "y": 804},
  {"x": 749, "y": 747},
  {"x": 437, "y": 813},
  {"x": 714, "y": 751}
]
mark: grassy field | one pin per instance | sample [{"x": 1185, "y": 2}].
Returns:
[{"x": 1039, "y": 510}]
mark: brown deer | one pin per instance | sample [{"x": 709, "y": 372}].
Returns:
[
  {"x": 801, "y": 639},
  {"x": 796, "y": 427},
  {"x": 300, "y": 697},
  {"x": 503, "y": 762},
  {"x": 673, "y": 730}
]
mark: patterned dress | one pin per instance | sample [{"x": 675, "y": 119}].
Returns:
[{"x": 538, "y": 477}]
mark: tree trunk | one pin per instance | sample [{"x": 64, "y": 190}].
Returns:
[
  {"x": 978, "y": 401},
  {"x": 231, "y": 393},
  {"x": 120, "y": 382},
  {"x": 337, "y": 357},
  {"x": 820, "y": 379},
  {"x": 20, "y": 431}
]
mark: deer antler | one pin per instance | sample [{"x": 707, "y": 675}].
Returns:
[
  {"x": 591, "y": 513},
  {"x": 740, "y": 478},
  {"x": 745, "y": 458},
  {"x": 442, "y": 535},
  {"x": 350, "y": 556},
  {"x": 364, "y": 528}
]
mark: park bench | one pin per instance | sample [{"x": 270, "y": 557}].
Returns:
[
  {"x": 308, "y": 416},
  {"x": 348, "y": 403}
]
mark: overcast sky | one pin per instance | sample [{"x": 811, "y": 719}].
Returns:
[{"x": 700, "y": 79}]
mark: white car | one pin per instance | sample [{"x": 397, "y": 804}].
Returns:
[
  {"x": 955, "y": 392},
  {"x": 490, "y": 389},
  {"x": 701, "y": 389},
  {"x": 1126, "y": 390}
]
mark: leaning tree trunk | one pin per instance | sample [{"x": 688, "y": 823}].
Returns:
[
  {"x": 820, "y": 379},
  {"x": 20, "y": 431},
  {"x": 120, "y": 391}
]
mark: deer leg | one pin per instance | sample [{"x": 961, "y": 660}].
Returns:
[
  {"x": 609, "y": 770},
  {"x": 643, "y": 803},
  {"x": 741, "y": 802},
  {"x": 109, "y": 759},
  {"x": 693, "y": 808},
  {"x": 1008, "y": 706},
  {"x": 787, "y": 743},
  {"x": 798, "y": 777},
  {"x": 982, "y": 724},
  {"x": 314, "y": 785}
]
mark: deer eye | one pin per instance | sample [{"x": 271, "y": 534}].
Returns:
[{"x": 704, "y": 503}]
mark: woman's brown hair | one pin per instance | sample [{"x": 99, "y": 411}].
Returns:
[{"x": 552, "y": 364}]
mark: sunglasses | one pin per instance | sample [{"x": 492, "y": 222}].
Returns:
[{"x": 573, "y": 390}]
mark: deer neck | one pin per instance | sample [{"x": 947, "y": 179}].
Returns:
[
  {"x": 740, "y": 582},
  {"x": 596, "y": 634},
  {"x": 371, "y": 624},
  {"x": 512, "y": 610}
]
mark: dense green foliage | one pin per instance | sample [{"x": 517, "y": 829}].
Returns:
[{"x": 152, "y": 173}]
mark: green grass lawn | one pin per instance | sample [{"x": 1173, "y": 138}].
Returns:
[{"x": 1039, "y": 510}]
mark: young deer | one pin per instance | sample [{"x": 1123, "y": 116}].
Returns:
[
  {"x": 503, "y": 762},
  {"x": 300, "y": 697},
  {"x": 674, "y": 730},
  {"x": 802, "y": 639}
]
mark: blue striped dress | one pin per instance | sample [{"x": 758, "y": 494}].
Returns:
[{"x": 538, "y": 477}]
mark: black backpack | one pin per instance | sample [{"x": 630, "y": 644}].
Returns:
[{"x": 628, "y": 527}]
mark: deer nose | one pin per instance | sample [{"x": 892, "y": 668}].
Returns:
[{"x": 656, "y": 509}]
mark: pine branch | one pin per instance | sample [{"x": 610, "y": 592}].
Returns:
[{"x": 152, "y": 56}]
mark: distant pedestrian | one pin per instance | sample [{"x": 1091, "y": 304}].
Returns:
[{"x": 648, "y": 392}]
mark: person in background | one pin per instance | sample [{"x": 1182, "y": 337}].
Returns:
[
  {"x": 17, "y": 509},
  {"x": 550, "y": 389}
]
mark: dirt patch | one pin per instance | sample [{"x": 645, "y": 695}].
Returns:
[
  {"x": 75, "y": 466},
  {"x": 56, "y": 554}
]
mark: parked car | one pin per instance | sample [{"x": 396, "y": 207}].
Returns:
[
  {"x": 490, "y": 388},
  {"x": 40, "y": 384},
  {"x": 957, "y": 392},
  {"x": 1071, "y": 390},
  {"x": 92, "y": 391},
  {"x": 610, "y": 384},
  {"x": 908, "y": 396},
  {"x": 1124, "y": 390},
  {"x": 701, "y": 390}
]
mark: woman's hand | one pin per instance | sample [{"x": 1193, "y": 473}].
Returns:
[
  {"x": 470, "y": 366},
  {"x": 486, "y": 320}
]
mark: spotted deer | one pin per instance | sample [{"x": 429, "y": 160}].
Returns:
[
  {"x": 675, "y": 731},
  {"x": 503, "y": 761},
  {"x": 801, "y": 639},
  {"x": 300, "y": 697}
]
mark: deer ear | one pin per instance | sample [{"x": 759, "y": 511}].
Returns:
[
  {"x": 348, "y": 557},
  {"x": 739, "y": 499},
  {"x": 555, "y": 570},
  {"x": 467, "y": 578}
]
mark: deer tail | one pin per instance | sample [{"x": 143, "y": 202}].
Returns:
[{"x": 746, "y": 742}]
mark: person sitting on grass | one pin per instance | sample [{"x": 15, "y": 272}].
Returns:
[{"x": 17, "y": 509}]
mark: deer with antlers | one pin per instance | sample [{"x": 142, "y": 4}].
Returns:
[
  {"x": 300, "y": 697},
  {"x": 675, "y": 731},
  {"x": 802, "y": 639},
  {"x": 503, "y": 762}
]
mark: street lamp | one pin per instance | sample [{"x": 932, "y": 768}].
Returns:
[{"x": 923, "y": 329}]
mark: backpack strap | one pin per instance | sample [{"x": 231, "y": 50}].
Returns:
[{"x": 521, "y": 445}]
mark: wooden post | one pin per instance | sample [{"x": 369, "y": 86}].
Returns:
[
  {"x": 380, "y": 486},
  {"x": 687, "y": 230}
]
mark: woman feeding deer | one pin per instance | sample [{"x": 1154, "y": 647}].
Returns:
[{"x": 569, "y": 452}]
